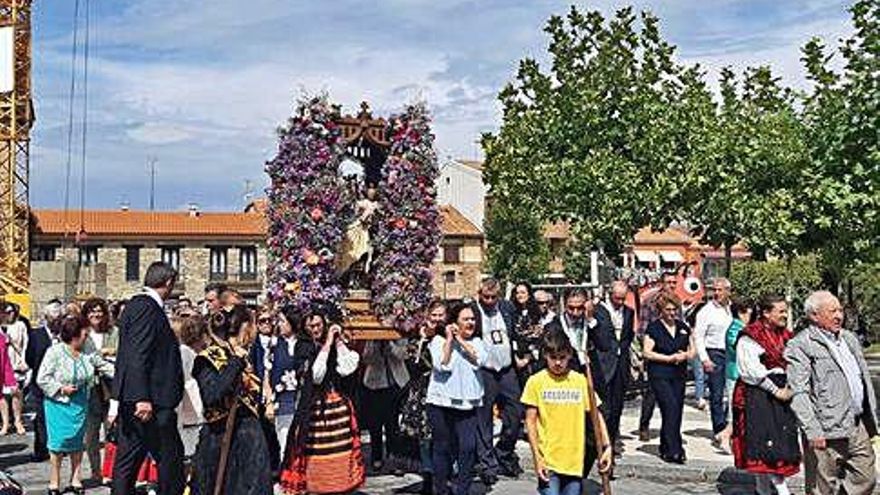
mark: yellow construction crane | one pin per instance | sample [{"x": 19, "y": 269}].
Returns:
[{"x": 16, "y": 119}]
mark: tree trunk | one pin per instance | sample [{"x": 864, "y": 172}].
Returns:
[
  {"x": 728, "y": 259},
  {"x": 789, "y": 290}
]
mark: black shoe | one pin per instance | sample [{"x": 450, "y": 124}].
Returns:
[
  {"x": 644, "y": 436},
  {"x": 489, "y": 479},
  {"x": 53, "y": 491},
  {"x": 511, "y": 471},
  {"x": 427, "y": 484}
]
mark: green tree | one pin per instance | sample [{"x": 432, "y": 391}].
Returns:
[
  {"x": 841, "y": 198},
  {"x": 801, "y": 274},
  {"x": 748, "y": 176},
  {"x": 516, "y": 246},
  {"x": 602, "y": 139}
]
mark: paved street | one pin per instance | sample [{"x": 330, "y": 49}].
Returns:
[{"x": 639, "y": 471}]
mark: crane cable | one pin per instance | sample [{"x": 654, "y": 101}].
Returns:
[
  {"x": 85, "y": 122},
  {"x": 70, "y": 103}
]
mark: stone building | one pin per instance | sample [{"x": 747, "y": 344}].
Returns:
[{"x": 109, "y": 260}]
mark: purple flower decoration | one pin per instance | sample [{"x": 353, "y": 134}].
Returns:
[{"x": 309, "y": 207}]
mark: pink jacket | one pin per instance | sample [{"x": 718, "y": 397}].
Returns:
[{"x": 7, "y": 377}]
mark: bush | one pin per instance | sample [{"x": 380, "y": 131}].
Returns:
[{"x": 753, "y": 279}]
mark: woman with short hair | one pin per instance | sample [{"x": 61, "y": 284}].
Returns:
[
  {"x": 67, "y": 377},
  {"x": 668, "y": 347},
  {"x": 455, "y": 395}
]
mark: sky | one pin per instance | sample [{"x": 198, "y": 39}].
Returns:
[{"x": 202, "y": 85}]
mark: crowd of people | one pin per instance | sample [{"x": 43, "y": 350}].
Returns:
[{"x": 217, "y": 397}]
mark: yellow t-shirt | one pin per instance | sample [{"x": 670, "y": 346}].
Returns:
[{"x": 561, "y": 403}]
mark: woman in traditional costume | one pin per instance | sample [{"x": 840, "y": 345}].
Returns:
[
  {"x": 323, "y": 453},
  {"x": 765, "y": 432},
  {"x": 230, "y": 392}
]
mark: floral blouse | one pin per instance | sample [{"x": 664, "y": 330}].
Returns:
[{"x": 60, "y": 368}]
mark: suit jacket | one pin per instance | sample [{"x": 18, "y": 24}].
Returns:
[
  {"x": 148, "y": 364},
  {"x": 617, "y": 355},
  {"x": 596, "y": 342},
  {"x": 39, "y": 341}
]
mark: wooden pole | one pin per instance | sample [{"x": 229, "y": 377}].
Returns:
[
  {"x": 220, "y": 481},
  {"x": 600, "y": 436}
]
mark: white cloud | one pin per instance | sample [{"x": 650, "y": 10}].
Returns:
[{"x": 203, "y": 85}]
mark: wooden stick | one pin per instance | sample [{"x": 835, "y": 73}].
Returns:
[
  {"x": 219, "y": 482},
  {"x": 601, "y": 436}
]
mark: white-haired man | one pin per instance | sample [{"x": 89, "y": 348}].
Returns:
[
  {"x": 710, "y": 332},
  {"x": 38, "y": 342},
  {"x": 834, "y": 401}
]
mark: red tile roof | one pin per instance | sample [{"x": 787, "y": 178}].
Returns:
[
  {"x": 175, "y": 224},
  {"x": 454, "y": 223},
  {"x": 109, "y": 223}
]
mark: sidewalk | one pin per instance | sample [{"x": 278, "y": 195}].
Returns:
[{"x": 705, "y": 463}]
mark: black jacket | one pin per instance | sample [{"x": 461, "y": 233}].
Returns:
[
  {"x": 39, "y": 341},
  {"x": 148, "y": 366},
  {"x": 617, "y": 354},
  {"x": 596, "y": 341}
]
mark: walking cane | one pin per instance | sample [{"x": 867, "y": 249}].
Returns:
[
  {"x": 224, "y": 449},
  {"x": 594, "y": 418}
]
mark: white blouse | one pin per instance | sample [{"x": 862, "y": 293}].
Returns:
[
  {"x": 751, "y": 370},
  {"x": 346, "y": 363}
]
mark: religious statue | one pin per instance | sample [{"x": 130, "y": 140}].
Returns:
[{"x": 353, "y": 261}]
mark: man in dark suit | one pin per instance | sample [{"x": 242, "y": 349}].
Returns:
[
  {"x": 149, "y": 386},
  {"x": 616, "y": 323},
  {"x": 39, "y": 341}
]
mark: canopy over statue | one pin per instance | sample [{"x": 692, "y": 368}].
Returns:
[{"x": 374, "y": 230}]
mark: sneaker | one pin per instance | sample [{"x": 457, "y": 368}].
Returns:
[{"x": 702, "y": 404}]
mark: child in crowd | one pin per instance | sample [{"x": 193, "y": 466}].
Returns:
[{"x": 557, "y": 401}]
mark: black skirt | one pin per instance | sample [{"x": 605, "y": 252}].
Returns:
[
  {"x": 770, "y": 426},
  {"x": 248, "y": 471}
]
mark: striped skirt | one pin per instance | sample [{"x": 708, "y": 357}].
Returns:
[{"x": 331, "y": 461}]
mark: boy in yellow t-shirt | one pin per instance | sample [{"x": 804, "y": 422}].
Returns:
[{"x": 557, "y": 400}]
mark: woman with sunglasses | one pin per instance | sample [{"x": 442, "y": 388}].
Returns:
[{"x": 668, "y": 346}]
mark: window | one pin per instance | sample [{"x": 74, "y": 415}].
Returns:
[
  {"x": 171, "y": 255},
  {"x": 449, "y": 277},
  {"x": 43, "y": 253},
  {"x": 247, "y": 263},
  {"x": 88, "y": 255},
  {"x": 452, "y": 253},
  {"x": 132, "y": 263},
  {"x": 218, "y": 263}
]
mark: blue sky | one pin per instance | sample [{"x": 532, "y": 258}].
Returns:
[{"x": 202, "y": 84}]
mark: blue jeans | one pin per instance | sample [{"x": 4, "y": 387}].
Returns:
[
  {"x": 699, "y": 378},
  {"x": 717, "y": 380},
  {"x": 560, "y": 484}
]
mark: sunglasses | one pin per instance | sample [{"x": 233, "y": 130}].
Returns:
[{"x": 264, "y": 320}]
